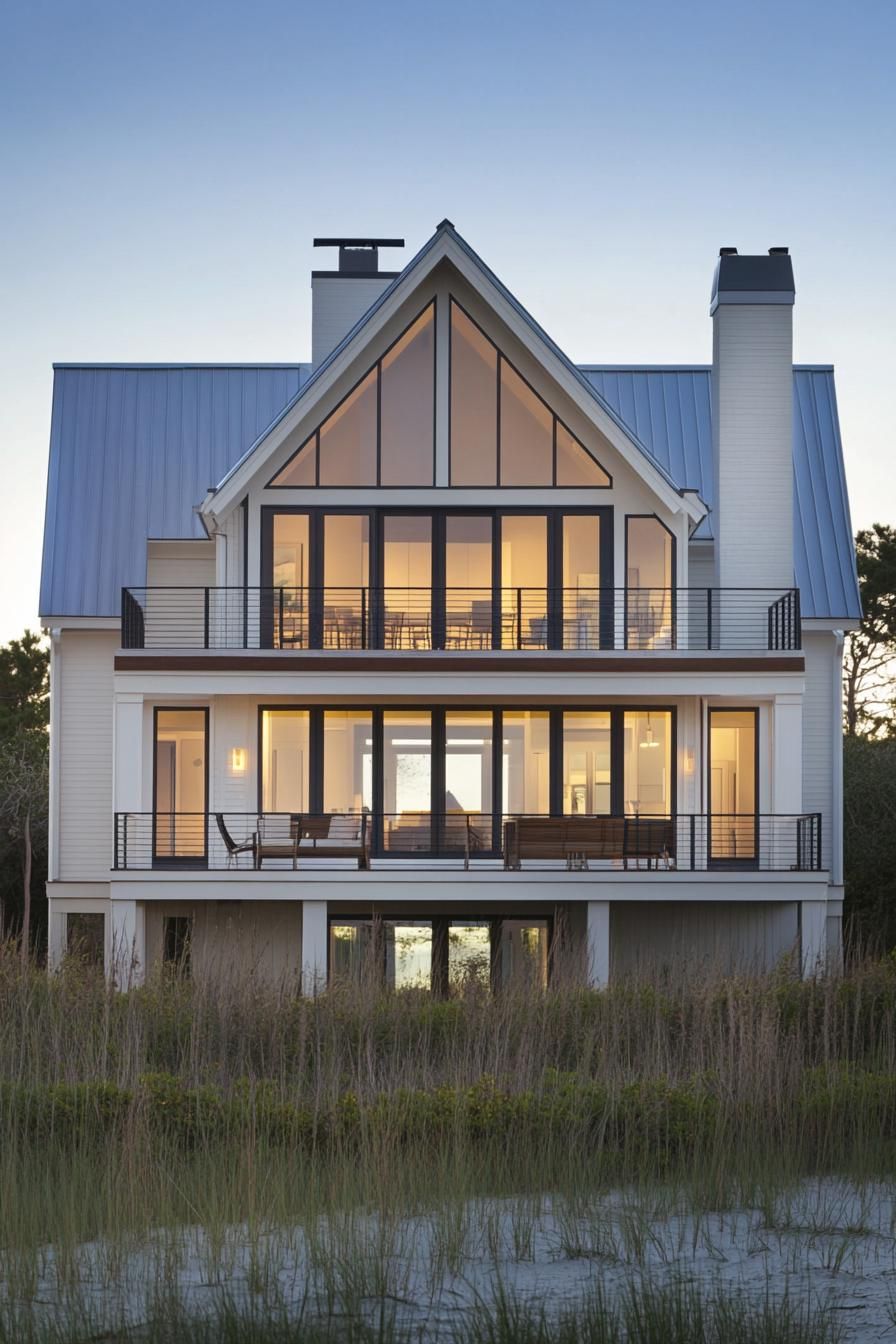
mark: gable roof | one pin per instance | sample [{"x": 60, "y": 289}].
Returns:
[
  {"x": 133, "y": 449},
  {"x": 447, "y": 243}
]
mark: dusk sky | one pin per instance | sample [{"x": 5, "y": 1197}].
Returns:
[{"x": 165, "y": 167}]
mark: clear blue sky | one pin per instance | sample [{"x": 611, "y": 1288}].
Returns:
[{"x": 165, "y": 166}]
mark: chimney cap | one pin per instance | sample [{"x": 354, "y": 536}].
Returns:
[
  {"x": 766, "y": 279},
  {"x": 727, "y": 251},
  {"x": 779, "y": 251},
  {"x": 359, "y": 242}
]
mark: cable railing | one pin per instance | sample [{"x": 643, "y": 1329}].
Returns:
[
  {"x": 414, "y": 619},
  {"x": 692, "y": 842}
]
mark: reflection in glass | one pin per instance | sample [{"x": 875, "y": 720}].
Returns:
[
  {"x": 474, "y": 404},
  {"x": 469, "y": 954},
  {"x": 407, "y": 779},
  {"x": 524, "y": 578},
  {"x": 407, "y": 399},
  {"x": 586, "y": 763},
  {"x": 348, "y": 748},
  {"x": 407, "y": 581},
  {"x": 525, "y": 762},
  {"x": 527, "y": 427},
  {"x": 468, "y": 582},
  {"x": 408, "y": 954},
  {"x": 348, "y": 438},
  {"x": 180, "y": 783},
  {"x": 284, "y": 760},
  {"x": 732, "y": 775},
  {"x": 523, "y": 953},
  {"x": 581, "y": 581},
  {"x": 649, "y": 560},
  {"x": 468, "y": 780},
  {"x": 647, "y": 762}
]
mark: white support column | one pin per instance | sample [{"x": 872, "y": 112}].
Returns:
[
  {"x": 314, "y": 947},
  {"x": 813, "y": 936},
  {"x": 597, "y": 967},
  {"x": 127, "y": 789},
  {"x": 56, "y": 934},
  {"x": 787, "y": 754},
  {"x": 127, "y": 956}
]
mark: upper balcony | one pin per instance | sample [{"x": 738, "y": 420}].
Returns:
[{"x": 409, "y": 619}]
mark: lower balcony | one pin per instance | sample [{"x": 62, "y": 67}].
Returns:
[{"x": 289, "y": 842}]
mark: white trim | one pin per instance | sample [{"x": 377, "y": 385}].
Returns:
[
  {"x": 834, "y": 623},
  {"x": 837, "y": 763},
  {"x": 80, "y": 623}
]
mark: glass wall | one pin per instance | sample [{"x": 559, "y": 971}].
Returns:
[
  {"x": 524, "y": 580},
  {"x": 527, "y": 427},
  {"x": 468, "y": 779},
  {"x": 649, "y": 568},
  {"x": 468, "y": 582},
  {"x": 348, "y": 760},
  {"x": 469, "y": 954},
  {"x": 526, "y": 762},
  {"x": 581, "y": 581},
  {"x": 407, "y": 779},
  {"x": 347, "y": 452},
  {"x": 407, "y": 406},
  {"x": 575, "y": 466},
  {"x": 732, "y": 783},
  {"x": 586, "y": 763},
  {"x": 291, "y": 572},
  {"x": 474, "y": 404},
  {"x": 647, "y": 762},
  {"x": 407, "y": 581},
  {"x": 180, "y": 783},
  {"x": 284, "y": 760},
  {"x": 346, "y": 577}
]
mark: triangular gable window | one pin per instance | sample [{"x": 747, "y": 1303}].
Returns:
[
  {"x": 502, "y": 432},
  {"x": 383, "y": 431}
]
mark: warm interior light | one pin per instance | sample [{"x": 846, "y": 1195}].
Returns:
[
  {"x": 689, "y": 762},
  {"x": 238, "y": 760},
  {"x": 649, "y": 739}
]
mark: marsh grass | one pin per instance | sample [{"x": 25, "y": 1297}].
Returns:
[{"x": 236, "y": 1105}]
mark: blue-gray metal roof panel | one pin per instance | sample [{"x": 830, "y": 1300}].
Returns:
[{"x": 134, "y": 448}]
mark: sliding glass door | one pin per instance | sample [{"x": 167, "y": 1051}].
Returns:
[{"x": 733, "y": 784}]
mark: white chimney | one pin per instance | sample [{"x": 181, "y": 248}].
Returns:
[
  {"x": 752, "y": 423},
  {"x": 339, "y": 298}
]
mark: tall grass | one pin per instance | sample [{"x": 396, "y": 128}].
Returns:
[{"x": 238, "y": 1105}]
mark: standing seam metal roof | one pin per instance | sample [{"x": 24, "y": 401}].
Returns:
[{"x": 134, "y": 449}]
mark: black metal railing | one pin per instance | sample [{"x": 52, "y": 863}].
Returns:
[
  {"x": 419, "y": 618},
  {"x": 693, "y": 842}
]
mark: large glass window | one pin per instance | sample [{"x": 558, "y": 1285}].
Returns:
[
  {"x": 407, "y": 402},
  {"x": 407, "y": 779},
  {"x": 527, "y": 427},
  {"x": 291, "y": 558},
  {"x": 348, "y": 760},
  {"x": 346, "y": 578},
  {"x": 524, "y": 580},
  {"x": 536, "y": 448},
  {"x": 357, "y": 445},
  {"x": 649, "y": 568},
  {"x": 526, "y": 762},
  {"x": 469, "y": 954},
  {"x": 285, "y": 737},
  {"x": 474, "y": 404},
  {"x": 348, "y": 439},
  {"x": 468, "y": 779},
  {"x": 180, "y": 783},
  {"x": 468, "y": 582},
  {"x": 586, "y": 763},
  {"x": 647, "y": 762},
  {"x": 581, "y": 581},
  {"x": 407, "y": 581},
  {"x": 732, "y": 783}
]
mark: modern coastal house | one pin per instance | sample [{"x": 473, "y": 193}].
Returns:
[{"x": 441, "y": 655}]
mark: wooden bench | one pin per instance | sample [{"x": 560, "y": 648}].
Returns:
[
  {"x": 579, "y": 839},
  {"x": 329, "y": 835}
]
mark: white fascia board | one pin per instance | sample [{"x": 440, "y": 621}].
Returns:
[
  {"x": 48, "y": 623},
  {"x": 844, "y": 623},
  {"x": 218, "y": 504}
]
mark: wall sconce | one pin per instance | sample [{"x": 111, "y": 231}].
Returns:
[
  {"x": 238, "y": 761},
  {"x": 689, "y": 762}
]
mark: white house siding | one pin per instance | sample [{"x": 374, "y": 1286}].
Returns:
[
  {"x": 336, "y": 305},
  {"x": 174, "y": 563},
  {"x": 234, "y": 938},
  {"x": 82, "y": 682},
  {"x": 819, "y": 746},
  {"x": 701, "y": 566},
  {"x": 741, "y": 937}
]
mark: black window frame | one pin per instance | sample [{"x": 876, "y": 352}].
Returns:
[
  {"x": 723, "y": 861},
  {"x": 175, "y": 860}
]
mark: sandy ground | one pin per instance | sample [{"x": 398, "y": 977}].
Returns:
[{"x": 824, "y": 1241}]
